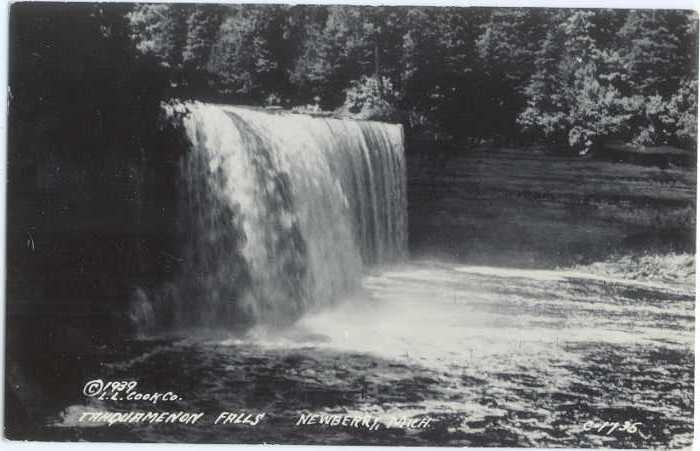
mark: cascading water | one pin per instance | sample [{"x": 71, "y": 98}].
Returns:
[{"x": 280, "y": 212}]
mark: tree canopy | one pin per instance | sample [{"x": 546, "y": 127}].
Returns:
[{"x": 572, "y": 78}]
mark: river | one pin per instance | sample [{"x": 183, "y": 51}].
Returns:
[{"x": 492, "y": 356}]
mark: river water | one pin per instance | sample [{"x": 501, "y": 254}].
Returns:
[{"x": 492, "y": 356}]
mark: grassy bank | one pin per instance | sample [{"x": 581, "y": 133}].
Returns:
[{"x": 519, "y": 207}]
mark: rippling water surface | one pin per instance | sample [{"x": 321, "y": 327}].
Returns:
[{"x": 496, "y": 357}]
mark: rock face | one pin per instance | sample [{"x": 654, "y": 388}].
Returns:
[{"x": 519, "y": 207}]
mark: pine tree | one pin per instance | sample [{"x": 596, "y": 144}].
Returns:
[
  {"x": 203, "y": 23},
  {"x": 650, "y": 53},
  {"x": 243, "y": 59},
  {"x": 571, "y": 97},
  {"x": 507, "y": 48},
  {"x": 340, "y": 50}
]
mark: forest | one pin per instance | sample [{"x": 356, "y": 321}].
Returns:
[{"x": 571, "y": 78}]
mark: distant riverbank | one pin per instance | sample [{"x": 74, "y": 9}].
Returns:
[{"x": 524, "y": 208}]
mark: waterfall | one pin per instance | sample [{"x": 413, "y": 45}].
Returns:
[{"x": 280, "y": 213}]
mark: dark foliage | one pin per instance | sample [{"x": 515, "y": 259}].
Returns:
[
  {"x": 89, "y": 170},
  {"x": 570, "y": 78}
]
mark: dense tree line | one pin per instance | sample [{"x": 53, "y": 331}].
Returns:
[{"x": 571, "y": 78}]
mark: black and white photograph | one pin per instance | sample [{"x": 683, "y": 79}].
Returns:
[{"x": 347, "y": 224}]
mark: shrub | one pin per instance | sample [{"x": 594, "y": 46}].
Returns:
[{"x": 370, "y": 98}]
